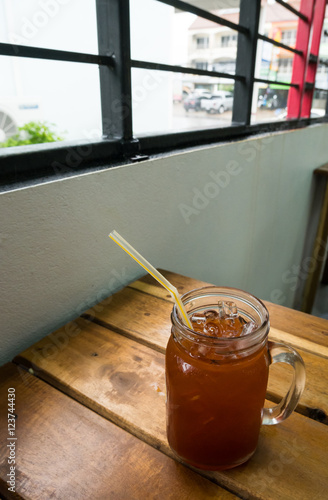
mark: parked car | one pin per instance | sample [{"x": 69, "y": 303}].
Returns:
[
  {"x": 193, "y": 101},
  {"x": 218, "y": 103}
]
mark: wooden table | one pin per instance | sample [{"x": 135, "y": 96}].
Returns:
[{"x": 90, "y": 411}]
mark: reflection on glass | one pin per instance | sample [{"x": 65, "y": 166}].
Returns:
[{"x": 171, "y": 102}]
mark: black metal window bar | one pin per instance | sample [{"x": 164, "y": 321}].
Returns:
[{"x": 115, "y": 65}]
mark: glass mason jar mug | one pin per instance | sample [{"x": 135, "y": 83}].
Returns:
[{"x": 216, "y": 385}]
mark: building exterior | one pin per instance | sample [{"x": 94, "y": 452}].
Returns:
[
  {"x": 51, "y": 90},
  {"x": 214, "y": 47}
]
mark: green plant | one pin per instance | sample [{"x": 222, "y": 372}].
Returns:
[
  {"x": 227, "y": 87},
  {"x": 32, "y": 133}
]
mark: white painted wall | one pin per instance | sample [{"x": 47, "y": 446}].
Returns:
[{"x": 57, "y": 259}]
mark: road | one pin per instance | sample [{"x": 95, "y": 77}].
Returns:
[{"x": 184, "y": 120}]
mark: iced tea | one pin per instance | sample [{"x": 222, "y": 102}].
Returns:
[
  {"x": 216, "y": 377},
  {"x": 214, "y": 398}
]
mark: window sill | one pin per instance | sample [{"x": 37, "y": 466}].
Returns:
[{"x": 29, "y": 165}]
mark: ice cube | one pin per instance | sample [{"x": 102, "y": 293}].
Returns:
[
  {"x": 249, "y": 328},
  {"x": 221, "y": 309},
  {"x": 198, "y": 318},
  {"x": 210, "y": 314},
  {"x": 212, "y": 329},
  {"x": 231, "y": 309},
  {"x": 242, "y": 320}
]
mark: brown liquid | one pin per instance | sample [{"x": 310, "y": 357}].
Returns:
[
  {"x": 214, "y": 326},
  {"x": 214, "y": 408}
]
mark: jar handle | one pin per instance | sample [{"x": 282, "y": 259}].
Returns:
[{"x": 281, "y": 353}]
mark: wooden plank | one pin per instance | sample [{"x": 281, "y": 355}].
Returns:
[
  {"x": 293, "y": 340},
  {"x": 300, "y": 324},
  {"x": 66, "y": 451},
  {"x": 296, "y": 323},
  {"x": 146, "y": 318},
  {"x": 137, "y": 315},
  {"x": 96, "y": 357},
  {"x": 125, "y": 383}
]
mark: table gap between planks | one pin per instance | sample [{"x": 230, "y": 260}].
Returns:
[{"x": 92, "y": 406}]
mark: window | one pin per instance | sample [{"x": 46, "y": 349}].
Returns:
[
  {"x": 131, "y": 88},
  {"x": 225, "y": 66},
  {"x": 288, "y": 37},
  {"x": 228, "y": 40},
  {"x": 322, "y": 67},
  {"x": 201, "y": 65},
  {"x": 202, "y": 42},
  {"x": 324, "y": 36},
  {"x": 285, "y": 65}
]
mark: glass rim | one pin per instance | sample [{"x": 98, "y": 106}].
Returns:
[{"x": 176, "y": 319}]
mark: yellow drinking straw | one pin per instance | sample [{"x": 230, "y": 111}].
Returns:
[{"x": 151, "y": 270}]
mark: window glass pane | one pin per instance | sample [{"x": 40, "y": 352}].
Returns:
[
  {"x": 269, "y": 103},
  {"x": 65, "y": 95},
  {"x": 179, "y": 38},
  {"x": 278, "y": 23},
  {"x": 319, "y": 103},
  {"x": 173, "y": 102},
  {"x": 53, "y": 24},
  {"x": 273, "y": 63}
]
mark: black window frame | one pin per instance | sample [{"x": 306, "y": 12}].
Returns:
[{"x": 118, "y": 144}]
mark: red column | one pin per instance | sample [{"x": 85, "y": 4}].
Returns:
[
  {"x": 300, "y": 61},
  {"x": 317, "y": 23}
]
